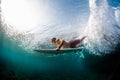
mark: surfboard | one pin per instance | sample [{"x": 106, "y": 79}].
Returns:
[{"x": 54, "y": 51}]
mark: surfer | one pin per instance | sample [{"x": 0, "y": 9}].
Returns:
[{"x": 61, "y": 44}]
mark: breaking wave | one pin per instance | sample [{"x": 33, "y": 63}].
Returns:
[{"x": 103, "y": 28}]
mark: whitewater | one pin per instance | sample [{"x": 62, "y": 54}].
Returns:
[{"x": 103, "y": 28}]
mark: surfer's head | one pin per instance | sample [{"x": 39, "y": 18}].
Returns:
[{"x": 53, "y": 40}]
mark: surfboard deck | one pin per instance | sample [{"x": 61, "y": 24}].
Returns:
[{"x": 54, "y": 51}]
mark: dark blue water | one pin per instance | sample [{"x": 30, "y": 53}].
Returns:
[
  {"x": 114, "y": 3},
  {"x": 20, "y": 64}
]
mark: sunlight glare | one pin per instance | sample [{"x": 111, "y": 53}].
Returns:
[{"x": 20, "y": 14}]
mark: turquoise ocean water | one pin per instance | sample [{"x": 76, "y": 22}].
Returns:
[{"x": 21, "y": 63}]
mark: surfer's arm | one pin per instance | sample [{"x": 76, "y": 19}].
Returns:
[{"x": 61, "y": 44}]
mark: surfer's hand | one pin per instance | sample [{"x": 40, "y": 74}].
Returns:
[{"x": 57, "y": 49}]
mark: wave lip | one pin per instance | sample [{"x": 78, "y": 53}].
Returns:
[{"x": 102, "y": 29}]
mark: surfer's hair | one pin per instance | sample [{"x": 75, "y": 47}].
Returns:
[{"x": 53, "y": 40}]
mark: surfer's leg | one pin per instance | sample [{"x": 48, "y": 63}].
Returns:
[{"x": 81, "y": 39}]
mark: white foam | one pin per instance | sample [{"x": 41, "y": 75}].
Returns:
[
  {"x": 102, "y": 29},
  {"x": 117, "y": 15}
]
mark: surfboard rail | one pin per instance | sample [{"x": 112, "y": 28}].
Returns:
[{"x": 54, "y": 51}]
